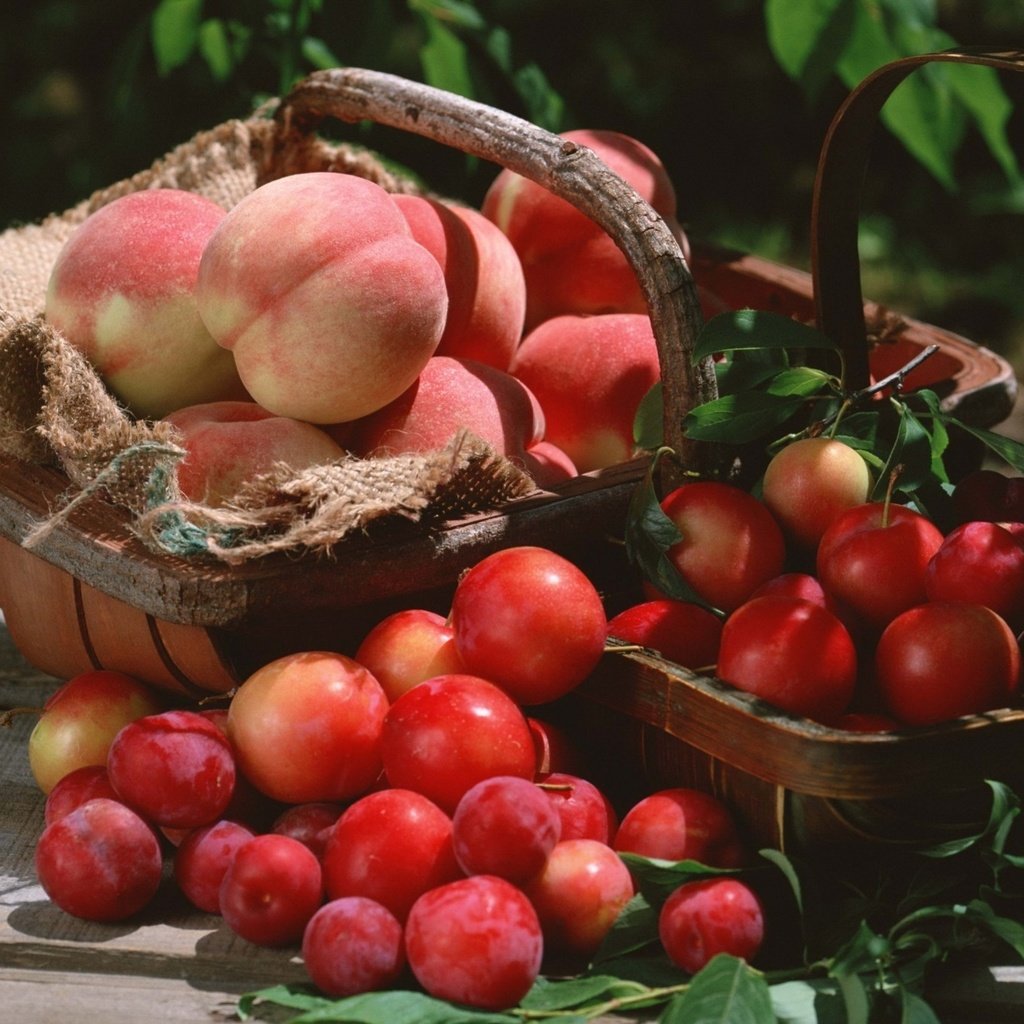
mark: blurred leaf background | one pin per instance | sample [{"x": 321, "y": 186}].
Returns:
[{"x": 735, "y": 96}]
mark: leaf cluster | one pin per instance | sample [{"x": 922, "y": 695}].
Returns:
[
  {"x": 861, "y": 937},
  {"x": 780, "y": 380}
]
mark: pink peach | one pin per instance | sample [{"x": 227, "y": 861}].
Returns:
[
  {"x": 230, "y": 443},
  {"x": 570, "y": 264},
  {"x": 451, "y": 394},
  {"x": 122, "y": 291},
  {"x": 329, "y": 304},
  {"x": 589, "y": 374},
  {"x": 486, "y": 288}
]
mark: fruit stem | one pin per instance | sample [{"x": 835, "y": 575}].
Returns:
[
  {"x": 897, "y": 472},
  {"x": 8, "y": 715}
]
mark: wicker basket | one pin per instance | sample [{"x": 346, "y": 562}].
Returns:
[{"x": 91, "y": 595}]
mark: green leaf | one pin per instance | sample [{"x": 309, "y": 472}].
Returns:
[
  {"x": 319, "y": 54},
  {"x": 914, "y": 1010},
  {"x": 807, "y": 38},
  {"x": 914, "y": 113},
  {"x": 635, "y": 928},
  {"x": 444, "y": 57},
  {"x": 979, "y": 90},
  {"x": 741, "y": 418},
  {"x": 398, "y": 1007},
  {"x": 174, "y": 31},
  {"x": 657, "y": 879},
  {"x": 752, "y": 328},
  {"x": 543, "y": 104},
  {"x": 1008, "y": 449},
  {"x": 745, "y": 369},
  {"x": 550, "y": 995},
  {"x": 649, "y": 421},
  {"x": 453, "y": 12},
  {"x": 808, "y": 1002},
  {"x": 726, "y": 991},
  {"x": 786, "y": 866},
  {"x": 298, "y": 997},
  {"x": 855, "y": 998},
  {"x": 911, "y": 450}
]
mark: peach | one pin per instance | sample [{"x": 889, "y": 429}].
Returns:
[
  {"x": 486, "y": 288},
  {"x": 570, "y": 264},
  {"x": 229, "y": 443},
  {"x": 548, "y": 464},
  {"x": 122, "y": 291},
  {"x": 329, "y": 304},
  {"x": 451, "y": 394},
  {"x": 589, "y": 374}
]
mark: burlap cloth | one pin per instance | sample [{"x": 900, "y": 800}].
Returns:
[{"x": 55, "y": 410}]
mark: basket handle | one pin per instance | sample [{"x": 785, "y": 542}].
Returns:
[
  {"x": 835, "y": 212},
  {"x": 569, "y": 170}
]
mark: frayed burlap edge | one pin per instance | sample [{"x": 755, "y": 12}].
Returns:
[
  {"x": 55, "y": 410},
  {"x": 311, "y": 511}
]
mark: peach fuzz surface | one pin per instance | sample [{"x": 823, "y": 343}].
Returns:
[
  {"x": 570, "y": 264},
  {"x": 589, "y": 374},
  {"x": 329, "y": 304},
  {"x": 449, "y": 395},
  {"x": 231, "y": 443},
  {"x": 122, "y": 291},
  {"x": 486, "y": 288}
]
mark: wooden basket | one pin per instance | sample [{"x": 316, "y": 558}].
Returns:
[
  {"x": 796, "y": 784},
  {"x": 91, "y": 595}
]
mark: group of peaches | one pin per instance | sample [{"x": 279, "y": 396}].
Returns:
[{"x": 323, "y": 315}]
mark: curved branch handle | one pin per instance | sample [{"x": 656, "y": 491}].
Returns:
[
  {"x": 835, "y": 209},
  {"x": 574, "y": 173}
]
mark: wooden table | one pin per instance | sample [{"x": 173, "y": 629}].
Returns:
[{"x": 176, "y": 964}]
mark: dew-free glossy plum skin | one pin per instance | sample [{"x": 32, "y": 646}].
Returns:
[
  {"x": 408, "y": 646},
  {"x": 326, "y": 711},
  {"x": 792, "y": 653},
  {"x": 202, "y": 859},
  {"x": 310, "y": 823},
  {"x": 271, "y": 889},
  {"x": 704, "y": 918},
  {"x": 451, "y": 732},
  {"x": 353, "y": 945},
  {"x": 983, "y": 563},
  {"x": 77, "y": 787},
  {"x": 529, "y": 620},
  {"x": 585, "y": 812},
  {"x": 872, "y": 560},
  {"x": 681, "y": 631},
  {"x": 175, "y": 768},
  {"x": 944, "y": 659},
  {"x": 731, "y": 543},
  {"x": 100, "y": 862},
  {"x": 390, "y": 846},
  {"x": 505, "y": 826},
  {"x": 475, "y": 941},
  {"x": 578, "y": 896},
  {"x": 681, "y": 823},
  {"x": 81, "y": 719}
]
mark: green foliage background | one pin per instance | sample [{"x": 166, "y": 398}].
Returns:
[{"x": 734, "y": 95}]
